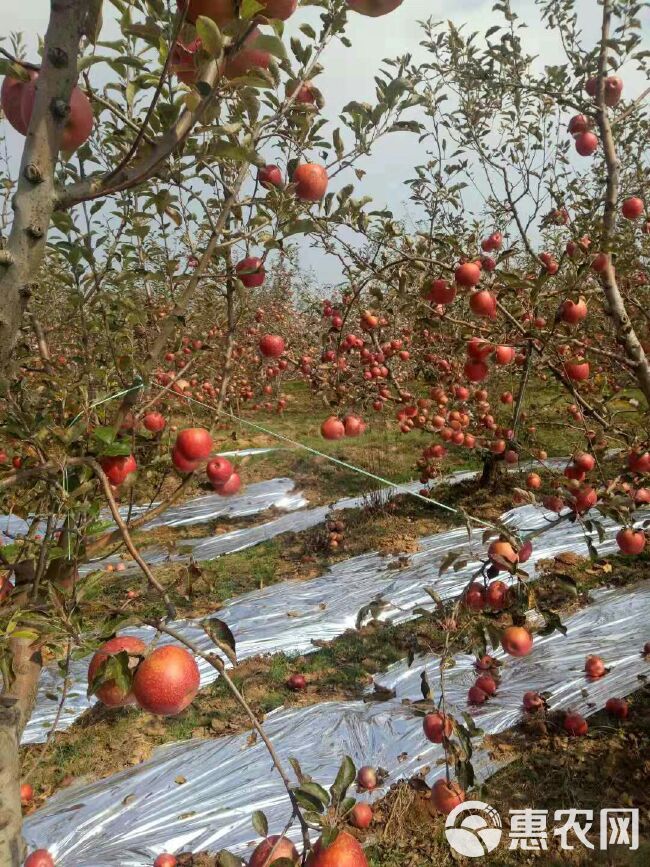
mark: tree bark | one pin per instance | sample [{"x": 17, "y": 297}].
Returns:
[
  {"x": 492, "y": 471},
  {"x": 12, "y": 847},
  {"x": 33, "y": 202},
  {"x": 16, "y": 704},
  {"x": 625, "y": 333}
]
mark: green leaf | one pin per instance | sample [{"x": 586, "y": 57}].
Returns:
[
  {"x": 312, "y": 818},
  {"x": 317, "y": 791},
  {"x": 29, "y": 634},
  {"x": 249, "y": 8},
  {"x": 114, "y": 668},
  {"x": 116, "y": 450},
  {"x": 13, "y": 70},
  {"x": 308, "y": 801},
  {"x": 90, "y": 59},
  {"x": 260, "y": 823},
  {"x": 211, "y": 38},
  {"x": 346, "y": 805},
  {"x": 272, "y": 44},
  {"x": 329, "y": 836},
  {"x": 238, "y": 153},
  {"x": 104, "y": 435},
  {"x": 344, "y": 779}
]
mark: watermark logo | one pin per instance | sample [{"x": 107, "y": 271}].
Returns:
[
  {"x": 478, "y": 831},
  {"x": 474, "y": 829}
]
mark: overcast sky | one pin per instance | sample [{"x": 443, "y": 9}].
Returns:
[{"x": 349, "y": 75}]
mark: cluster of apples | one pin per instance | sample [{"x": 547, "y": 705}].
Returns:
[
  {"x": 193, "y": 446},
  {"x": 586, "y": 141},
  {"x": 164, "y": 682},
  {"x": 335, "y": 429}
]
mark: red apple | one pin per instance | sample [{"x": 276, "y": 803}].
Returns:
[
  {"x": 475, "y": 695},
  {"x": 373, "y": 8},
  {"x": 437, "y": 725},
  {"x": 502, "y": 555},
  {"x": 181, "y": 462},
  {"x": 577, "y": 370},
  {"x": 533, "y": 701},
  {"x": 475, "y": 371},
  {"x": 220, "y": 11},
  {"x": 278, "y": 9},
  {"x": 586, "y": 144},
  {"x": 117, "y": 469},
  {"x": 281, "y": 847},
  {"x": 229, "y": 487},
  {"x": 183, "y": 61},
  {"x": 594, "y": 667},
  {"x": 617, "y": 707},
  {"x": 354, "y": 426},
  {"x": 573, "y": 312},
  {"x": 367, "y": 778},
  {"x": 496, "y": 595},
  {"x": 39, "y": 858},
  {"x": 297, "y": 682},
  {"x": 579, "y": 123},
  {"x": 310, "y": 182},
  {"x": 306, "y": 93},
  {"x": 109, "y": 693},
  {"x": 251, "y": 272},
  {"x": 445, "y": 796},
  {"x": 219, "y": 470},
  {"x": 165, "y": 860},
  {"x": 632, "y": 208},
  {"x": 270, "y": 176},
  {"x": 441, "y": 292},
  {"x": 194, "y": 443},
  {"x": 504, "y": 354},
  {"x": 332, "y": 428},
  {"x": 166, "y": 681},
  {"x": 630, "y": 541},
  {"x": 516, "y": 641},
  {"x": 486, "y": 683},
  {"x": 26, "y": 794},
  {"x": 361, "y": 816},
  {"x": 468, "y": 274},
  {"x": 575, "y": 724},
  {"x": 483, "y": 303},
  {"x": 79, "y": 122},
  {"x": 154, "y": 422},
  {"x": 345, "y": 851},
  {"x": 474, "y": 597},
  {"x": 271, "y": 346},
  {"x": 11, "y": 95},
  {"x": 248, "y": 58}
]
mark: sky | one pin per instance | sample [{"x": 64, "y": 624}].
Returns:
[{"x": 349, "y": 74}]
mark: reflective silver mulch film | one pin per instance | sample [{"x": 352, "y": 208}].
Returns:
[
  {"x": 129, "y": 818},
  {"x": 290, "y": 615},
  {"x": 255, "y": 498}
]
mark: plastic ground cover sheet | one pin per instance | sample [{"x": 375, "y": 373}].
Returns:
[
  {"x": 131, "y": 817},
  {"x": 257, "y": 497},
  {"x": 290, "y": 615}
]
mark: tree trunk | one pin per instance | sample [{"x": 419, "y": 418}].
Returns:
[
  {"x": 35, "y": 195},
  {"x": 492, "y": 472},
  {"x": 625, "y": 333},
  {"x": 12, "y": 848},
  {"x": 16, "y": 704}
]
